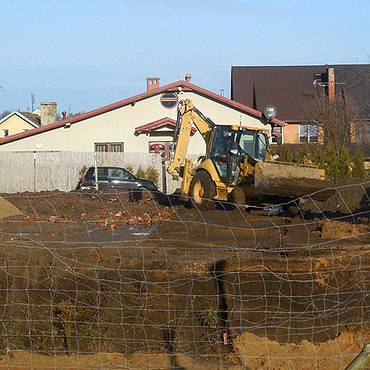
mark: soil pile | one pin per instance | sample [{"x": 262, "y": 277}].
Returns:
[
  {"x": 7, "y": 209},
  {"x": 261, "y": 353},
  {"x": 339, "y": 230},
  {"x": 349, "y": 196}
]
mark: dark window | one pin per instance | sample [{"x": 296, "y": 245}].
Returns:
[
  {"x": 169, "y": 99},
  {"x": 5, "y": 133},
  {"x": 109, "y": 147},
  {"x": 90, "y": 174}
]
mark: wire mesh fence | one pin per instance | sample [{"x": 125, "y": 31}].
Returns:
[{"x": 93, "y": 280}]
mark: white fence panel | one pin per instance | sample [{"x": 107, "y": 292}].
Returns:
[{"x": 42, "y": 171}]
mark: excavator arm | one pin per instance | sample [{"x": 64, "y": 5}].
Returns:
[{"x": 187, "y": 116}]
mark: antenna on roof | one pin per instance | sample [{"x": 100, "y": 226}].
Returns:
[{"x": 32, "y": 102}]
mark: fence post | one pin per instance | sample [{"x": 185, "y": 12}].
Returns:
[
  {"x": 96, "y": 171},
  {"x": 34, "y": 171}
]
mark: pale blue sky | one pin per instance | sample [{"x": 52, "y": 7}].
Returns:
[{"x": 85, "y": 54}]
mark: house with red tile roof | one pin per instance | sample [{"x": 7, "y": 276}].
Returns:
[
  {"x": 142, "y": 123},
  {"x": 294, "y": 89}
]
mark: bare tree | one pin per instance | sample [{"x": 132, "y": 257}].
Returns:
[
  {"x": 335, "y": 120},
  {"x": 4, "y": 113}
]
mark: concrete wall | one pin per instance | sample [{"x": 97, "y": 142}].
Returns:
[{"x": 14, "y": 124}]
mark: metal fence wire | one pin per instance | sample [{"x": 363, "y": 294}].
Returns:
[{"x": 94, "y": 280}]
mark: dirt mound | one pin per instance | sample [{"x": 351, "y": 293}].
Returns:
[
  {"x": 261, "y": 353},
  {"x": 350, "y": 195},
  {"x": 7, "y": 209},
  {"x": 339, "y": 230}
]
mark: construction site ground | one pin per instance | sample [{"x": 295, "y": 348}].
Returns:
[{"x": 287, "y": 283}]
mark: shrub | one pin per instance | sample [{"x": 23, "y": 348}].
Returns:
[
  {"x": 335, "y": 162},
  {"x": 304, "y": 154},
  {"x": 286, "y": 154},
  {"x": 152, "y": 174},
  {"x": 140, "y": 173},
  {"x": 129, "y": 168},
  {"x": 358, "y": 165}
]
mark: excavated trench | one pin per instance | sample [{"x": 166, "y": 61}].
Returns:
[{"x": 201, "y": 283}]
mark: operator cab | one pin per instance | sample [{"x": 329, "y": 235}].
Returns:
[{"x": 229, "y": 146}]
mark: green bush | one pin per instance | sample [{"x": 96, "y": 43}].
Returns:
[
  {"x": 286, "y": 154},
  {"x": 140, "y": 173},
  {"x": 304, "y": 154},
  {"x": 358, "y": 165},
  {"x": 129, "y": 168},
  {"x": 152, "y": 174},
  {"x": 335, "y": 162}
]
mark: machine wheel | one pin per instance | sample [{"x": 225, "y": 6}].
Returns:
[
  {"x": 237, "y": 198},
  {"x": 202, "y": 191}
]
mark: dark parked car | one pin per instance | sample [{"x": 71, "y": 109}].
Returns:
[{"x": 115, "y": 177}]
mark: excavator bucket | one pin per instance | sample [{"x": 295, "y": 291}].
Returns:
[{"x": 291, "y": 180}]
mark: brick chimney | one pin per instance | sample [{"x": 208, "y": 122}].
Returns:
[
  {"x": 152, "y": 83},
  {"x": 48, "y": 113},
  {"x": 331, "y": 84}
]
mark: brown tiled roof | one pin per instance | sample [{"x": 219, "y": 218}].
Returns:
[
  {"x": 291, "y": 88},
  {"x": 356, "y": 82},
  {"x": 35, "y": 118}
]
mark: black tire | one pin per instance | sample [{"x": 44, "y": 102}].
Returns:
[
  {"x": 202, "y": 191},
  {"x": 237, "y": 198}
]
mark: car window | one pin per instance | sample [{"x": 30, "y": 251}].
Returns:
[
  {"x": 100, "y": 173},
  {"x": 90, "y": 174},
  {"x": 118, "y": 173}
]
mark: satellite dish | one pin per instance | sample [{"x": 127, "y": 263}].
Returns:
[{"x": 270, "y": 112}]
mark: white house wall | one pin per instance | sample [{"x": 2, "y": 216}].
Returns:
[{"x": 119, "y": 126}]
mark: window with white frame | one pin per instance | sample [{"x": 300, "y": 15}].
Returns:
[{"x": 308, "y": 133}]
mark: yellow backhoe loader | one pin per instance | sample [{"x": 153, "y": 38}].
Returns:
[{"x": 236, "y": 165}]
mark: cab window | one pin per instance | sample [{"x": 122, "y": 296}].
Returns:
[
  {"x": 246, "y": 142},
  {"x": 261, "y": 146}
]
